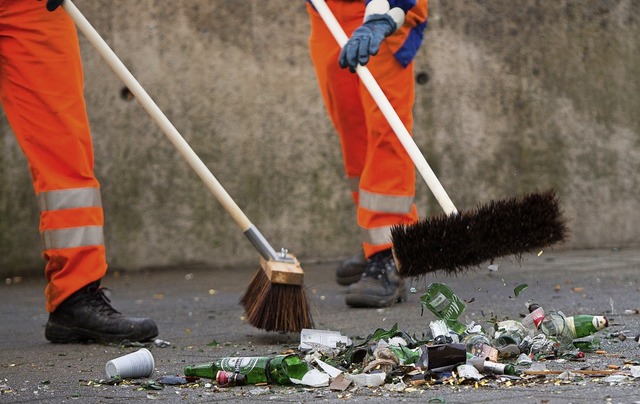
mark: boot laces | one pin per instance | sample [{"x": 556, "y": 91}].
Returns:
[
  {"x": 97, "y": 299},
  {"x": 377, "y": 265}
]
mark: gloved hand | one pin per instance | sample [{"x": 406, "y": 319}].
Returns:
[
  {"x": 366, "y": 40},
  {"x": 53, "y": 4}
]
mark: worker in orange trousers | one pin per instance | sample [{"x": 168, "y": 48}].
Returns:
[
  {"x": 384, "y": 35},
  {"x": 41, "y": 89}
]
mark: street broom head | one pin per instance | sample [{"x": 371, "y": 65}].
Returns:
[
  {"x": 460, "y": 241},
  {"x": 276, "y": 298}
]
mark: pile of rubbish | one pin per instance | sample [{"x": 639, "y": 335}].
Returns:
[{"x": 451, "y": 352}]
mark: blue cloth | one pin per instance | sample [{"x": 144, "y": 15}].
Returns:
[
  {"x": 405, "y": 5},
  {"x": 410, "y": 47}
]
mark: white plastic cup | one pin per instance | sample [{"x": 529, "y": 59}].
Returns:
[{"x": 136, "y": 364}]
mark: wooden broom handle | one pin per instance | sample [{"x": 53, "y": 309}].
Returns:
[
  {"x": 169, "y": 130},
  {"x": 389, "y": 112}
]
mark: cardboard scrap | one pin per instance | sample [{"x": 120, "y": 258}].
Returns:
[{"x": 340, "y": 383}]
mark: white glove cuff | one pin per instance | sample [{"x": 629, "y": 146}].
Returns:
[{"x": 383, "y": 7}]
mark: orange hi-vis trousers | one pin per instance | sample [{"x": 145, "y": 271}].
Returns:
[
  {"x": 380, "y": 172},
  {"x": 41, "y": 88}
]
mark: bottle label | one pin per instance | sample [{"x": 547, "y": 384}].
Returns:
[
  {"x": 584, "y": 325},
  {"x": 442, "y": 302},
  {"x": 241, "y": 364},
  {"x": 536, "y": 316},
  {"x": 439, "y": 302}
]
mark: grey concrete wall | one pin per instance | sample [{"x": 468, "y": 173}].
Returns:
[{"x": 519, "y": 96}]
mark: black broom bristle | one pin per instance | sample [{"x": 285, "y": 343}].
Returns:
[
  {"x": 276, "y": 307},
  {"x": 453, "y": 243}
]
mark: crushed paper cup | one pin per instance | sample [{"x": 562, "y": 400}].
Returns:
[
  {"x": 322, "y": 337},
  {"x": 136, "y": 364}
]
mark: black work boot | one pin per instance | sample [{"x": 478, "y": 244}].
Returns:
[
  {"x": 351, "y": 269},
  {"x": 87, "y": 315},
  {"x": 380, "y": 284}
]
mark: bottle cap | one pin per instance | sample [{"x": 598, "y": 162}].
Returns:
[
  {"x": 532, "y": 305},
  {"x": 225, "y": 378},
  {"x": 222, "y": 378},
  {"x": 601, "y": 322}
]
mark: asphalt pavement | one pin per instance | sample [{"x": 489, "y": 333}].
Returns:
[{"x": 199, "y": 318}]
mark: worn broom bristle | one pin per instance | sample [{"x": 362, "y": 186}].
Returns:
[
  {"x": 276, "y": 307},
  {"x": 453, "y": 243}
]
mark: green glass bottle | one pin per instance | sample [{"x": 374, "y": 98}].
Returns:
[
  {"x": 256, "y": 369},
  {"x": 584, "y": 325},
  {"x": 283, "y": 368},
  {"x": 445, "y": 304}
]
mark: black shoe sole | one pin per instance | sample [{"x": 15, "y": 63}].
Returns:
[
  {"x": 348, "y": 280},
  {"x": 64, "y": 335},
  {"x": 350, "y": 271},
  {"x": 358, "y": 300}
]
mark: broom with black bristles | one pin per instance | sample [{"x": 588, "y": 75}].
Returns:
[
  {"x": 463, "y": 240},
  {"x": 456, "y": 240},
  {"x": 276, "y": 299}
]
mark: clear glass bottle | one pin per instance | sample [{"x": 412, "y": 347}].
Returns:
[
  {"x": 509, "y": 332},
  {"x": 476, "y": 340},
  {"x": 486, "y": 366},
  {"x": 554, "y": 324},
  {"x": 479, "y": 345},
  {"x": 534, "y": 318},
  {"x": 499, "y": 368}
]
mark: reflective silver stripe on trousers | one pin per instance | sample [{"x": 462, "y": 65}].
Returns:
[
  {"x": 69, "y": 199},
  {"x": 72, "y": 237},
  {"x": 385, "y": 203},
  {"x": 377, "y": 236}
]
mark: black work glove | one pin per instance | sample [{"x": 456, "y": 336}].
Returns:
[
  {"x": 53, "y": 4},
  {"x": 366, "y": 40}
]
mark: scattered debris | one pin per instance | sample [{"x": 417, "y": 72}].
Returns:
[
  {"x": 454, "y": 353},
  {"x": 547, "y": 346}
]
